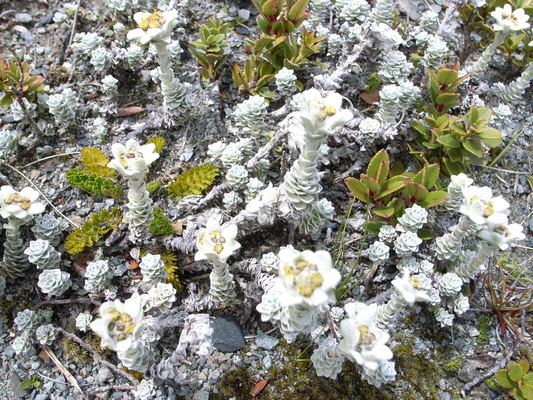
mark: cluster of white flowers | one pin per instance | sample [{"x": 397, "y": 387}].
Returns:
[
  {"x": 216, "y": 245},
  {"x": 305, "y": 286},
  {"x": 119, "y": 328}
]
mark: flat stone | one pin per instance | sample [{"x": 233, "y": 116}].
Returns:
[
  {"x": 244, "y": 14},
  {"x": 227, "y": 334},
  {"x": 14, "y": 384},
  {"x": 266, "y": 342},
  {"x": 104, "y": 375},
  {"x": 23, "y": 18},
  {"x": 201, "y": 395}
]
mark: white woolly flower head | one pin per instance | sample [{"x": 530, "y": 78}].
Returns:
[
  {"x": 320, "y": 115},
  {"x": 215, "y": 243},
  {"x": 133, "y": 159},
  {"x": 508, "y": 20},
  {"x": 363, "y": 342},
  {"x": 482, "y": 208},
  {"x": 410, "y": 288},
  {"x": 308, "y": 277},
  {"x": 119, "y": 325},
  {"x": 154, "y": 27},
  {"x": 502, "y": 235},
  {"x": 21, "y": 205}
]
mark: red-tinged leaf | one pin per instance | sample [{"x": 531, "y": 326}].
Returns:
[
  {"x": 391, "y": 186},
  {"x": 482, "y": 361},
  {"x": 358, "y": 189},
  {"x": 379, "y": 166},
  {"x": 134, "y": 265},
  {"x": 79, "y": 265},
  {"x": 384, "y": 212},
  {"x": 127, "y": 111},
  {"x": 259, "y": 386},
  {"x": 373, "y": 185}
]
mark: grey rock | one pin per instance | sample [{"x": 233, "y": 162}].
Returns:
[
  {"x": 46, "y": 20},
  {"x": 201, "y": 395},
  {"x": 104, "y": 375},
  {"x": 244, "y": 14},
  {"x": 242, "y": 30},
  {"x": 266, "y": 342},
  {"x": 9, "y": 352},
  {"x": 41, "y": 397},
  {"x": 14, "y": 384},
  {"x": 467, "y": 373},
  {"x": 267, "y": 361},
  {"x": 23, "y": 18},
  {"x": 530, "y": 224},
  {"x": 227, "y": 334}
]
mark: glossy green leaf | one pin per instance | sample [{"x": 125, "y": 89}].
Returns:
[
  {"x": 434, "y": 199},
  {"x": 515, "y": 371},
  {"x": 474, "y": 148},
  {"x": 503, "y": 379},
  {"x": 373, "y": 186},
  {"x": 392, "y": 186},
  {"x": 384, "y": 212},
  {"x": 373, "y": 226},
  {"x": 427, "y": 176},
  {"x": 379, "y": 166},
  {"x": 449, "y": 141},
  {"x": 359, "y": 190},
  {"x": 453, "y": 167}
]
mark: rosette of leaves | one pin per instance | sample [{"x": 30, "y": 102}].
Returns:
[
  {"x": 96, "y": 178},
  {"x": 391, "y": 191},
  {"x": 92, "y": 230},
  {"x": 278, "y": 48},
  {"x": 170, "y": 260},
  {"x": 161, "y": 225},
  {"x": 209, "y": 50},
  {"x": 194, "y": 181},
  {"x": 517, "y": 379},
  {"x": 456, "y": 141},
  {"x": 16, "y": 81}
]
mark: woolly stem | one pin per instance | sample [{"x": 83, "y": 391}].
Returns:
[
  {"x": 516, "y": 89},
  {"x": 386, "y": 312},
  {"x": 140, "y": 212},
  {"x": 15, "y": 262},
  {"x": 222, "y": 285},
  {"x": 466, "y": 270},
  {"x": 481, "y": 65},
  {"x": 449, "y": 245}
]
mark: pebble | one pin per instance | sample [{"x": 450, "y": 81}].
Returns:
[
  {"x": 227, "y": 334},
  {"x": 244, "y": 14},
  {"x": 267, "y": 361},
  {"x": 46, "y": 20},
  {"x": 14, "y": 383},
  {"x": 23, "y": 18},
  {"x": 530, "y": 224},
  {"x": 104, "y": 375},
  {"x": 467, "y": 373},
  {"x": 266, "y": 342},
  {"x": 201, "y": 395}
]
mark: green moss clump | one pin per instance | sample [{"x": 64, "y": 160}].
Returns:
[
  {"x": 297, "y": 380},
  {"x": 161, "y": 225},
  {"x": 454, "y": 365},
  {"x": 74, "y": 351}
]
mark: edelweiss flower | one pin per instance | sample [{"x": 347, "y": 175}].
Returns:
[
  {"x": 133, "y": 159},
  {"x": 409, "y": 288},
  {"x": 508, "y": 20},
  {"x": 363, "y": 342},
  {"x": 120, "y": 324},
  {"x": 214, "y": 244},
  {"x": 156, "y": 27},
  {"x": 482, "y": 208},
  {"x": 318, "y": 114},
  {"x": 308, "y": 277},
  {"x": 19, "y": 205},
  {"x": 503, "y": 235}
]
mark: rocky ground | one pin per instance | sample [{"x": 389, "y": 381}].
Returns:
[{"x": 432, "y": 363}]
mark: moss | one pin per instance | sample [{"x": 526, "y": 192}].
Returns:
[
  {"x": 296, "y": 379},
  {"x": 74, "y": 351},
  {"x": 484, "y": 325},
  {"x": 420, "y": 372},
  {"x": 454, "y": 365}
]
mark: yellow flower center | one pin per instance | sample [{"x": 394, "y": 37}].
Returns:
[
  {"x": 129, "y": 155},
  {"x": 416, "y": 282},
  {"x": 506, "y": 14},
  {"x": 23, "y": 202},
  {"x": 152, "y": 21},
  {"x": 489, "y": 209}
]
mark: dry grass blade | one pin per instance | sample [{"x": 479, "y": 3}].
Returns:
[{"x": 65, "y": 371}]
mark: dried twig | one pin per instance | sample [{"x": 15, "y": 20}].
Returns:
[
  {"x": 110, "y": 387},
  {"x": 65, "y": 371},
  {"x": 81, "y": 300},
  {"x": 97, "y": 357}
]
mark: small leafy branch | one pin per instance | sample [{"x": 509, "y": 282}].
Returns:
[
  {"x": 391, "y": 191},
  {"x": 456, "y": 141},
  {"x": 278, "y": 47},
  {"x": 517, "y": 379},
  {"x": 17, "y": 83},
  {"x": 507, "y": 291},
  {"x": 209, "y": 50},
  {"x": 97, "y": 177},
  {"x": 194, "y": 181},
  {"x": 92, "y": 230},
  {"x": 34, "y": 381}
]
